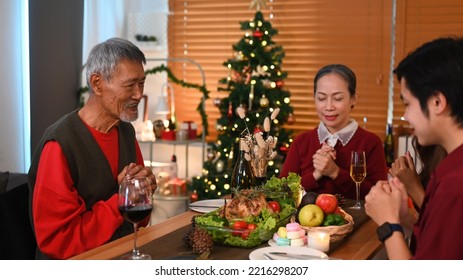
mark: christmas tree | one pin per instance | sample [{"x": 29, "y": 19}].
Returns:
[{"x": 255, "y": 84}]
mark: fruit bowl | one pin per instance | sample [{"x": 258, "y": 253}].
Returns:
[
  {"x": 244, "y": 238},
  {"x": 336, "y": 232}
]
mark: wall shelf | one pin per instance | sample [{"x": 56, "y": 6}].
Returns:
[{"x": 185, "y": 143}]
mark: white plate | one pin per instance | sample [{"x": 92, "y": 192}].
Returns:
[
  {"x": 258, "y": 254},
  {"x": 272, "y": 243},
  {"x": 206, "y": 206}
]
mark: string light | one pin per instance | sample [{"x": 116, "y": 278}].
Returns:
[{"x": 286, "y": 100}]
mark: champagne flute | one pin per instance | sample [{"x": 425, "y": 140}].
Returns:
[
  {"x": 358, "y": 172},
  {"x": 135, "y": 205}
]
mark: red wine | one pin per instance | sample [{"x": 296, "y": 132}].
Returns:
[{"x": 136, "y": 214}]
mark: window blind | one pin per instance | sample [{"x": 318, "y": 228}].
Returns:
[
  {"x": 419, "y": 21},
  {"x": 313, "y": 33}
]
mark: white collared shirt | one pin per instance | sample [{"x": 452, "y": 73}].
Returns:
[{"x": 344, "y": 135}]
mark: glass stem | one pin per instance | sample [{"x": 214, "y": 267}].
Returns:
[
  {"x": 357, "y": 188},
  {"x": 135, "y": 251}
]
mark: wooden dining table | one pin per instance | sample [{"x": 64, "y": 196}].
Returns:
[{"x": 165, "y": 241}]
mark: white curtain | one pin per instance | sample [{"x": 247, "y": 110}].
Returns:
[
  {"x": 103, "y": 19},
  {"x": 14, "y": 104}
]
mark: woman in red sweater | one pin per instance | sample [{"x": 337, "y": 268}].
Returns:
[{"x": 322, "y": 156}]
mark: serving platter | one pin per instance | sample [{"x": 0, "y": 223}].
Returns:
[{"x": 206, "y": 206}]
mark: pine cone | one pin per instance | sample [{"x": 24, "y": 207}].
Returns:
[
  {"x": 187, "y": 239},
  {"x": 201, "y": 240}
]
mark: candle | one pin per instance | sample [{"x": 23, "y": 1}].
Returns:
[{"x": 319, "y": 241}]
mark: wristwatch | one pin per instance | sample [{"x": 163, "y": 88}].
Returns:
[{"x": 385, "y": 230}]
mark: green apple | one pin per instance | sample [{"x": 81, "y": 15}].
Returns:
[{"x": 311, "y": 216}]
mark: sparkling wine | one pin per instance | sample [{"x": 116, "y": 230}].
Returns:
[
  {"x": 135, "y": 214},
  {"x": 358, "y": 173}
]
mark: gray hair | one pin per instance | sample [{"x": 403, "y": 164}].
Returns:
[{"x": 104, "y": 57}]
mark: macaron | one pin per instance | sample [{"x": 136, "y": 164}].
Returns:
[
  {"x": 282, "y": 241},
  {"x": 299, "y": 242},
  {"x": 275, "y": 237},
  {"x": 295, "y": 234},
  {"x": 282, "y": 232},
  {"x": 293, "y": 226}
]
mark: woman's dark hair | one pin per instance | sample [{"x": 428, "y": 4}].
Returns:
[
  {"x": 430, "y": 157},
  {"x": 342, "y": 70},
  {"x": 436, "y": 66}
]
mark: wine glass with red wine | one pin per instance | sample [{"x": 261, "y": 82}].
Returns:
[{"x": 135, "y": 205}]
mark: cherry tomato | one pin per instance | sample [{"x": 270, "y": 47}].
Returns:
[
  {"x": 239, "y": 226},
  {"x": 245, "y": 234},
  {"x": 275, "y": 206},
  {"x": 252, "y": 227}
]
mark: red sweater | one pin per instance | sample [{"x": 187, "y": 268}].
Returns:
[
  {"x": 299, "y": 160},
  {"x": 63, "y": 227},
  {"x": 439, "y": 227}
]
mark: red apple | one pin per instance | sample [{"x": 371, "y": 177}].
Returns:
[{"x": 327, "y": 202}]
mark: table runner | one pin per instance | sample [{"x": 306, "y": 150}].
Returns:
[{"x": 171, "y": 246}]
